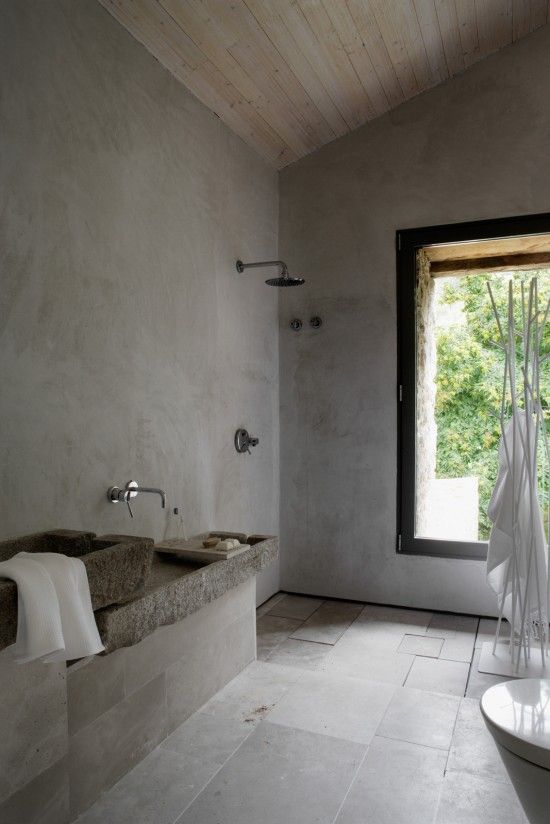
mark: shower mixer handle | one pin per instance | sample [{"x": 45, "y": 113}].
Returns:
[{"x": 243, "y": 441}]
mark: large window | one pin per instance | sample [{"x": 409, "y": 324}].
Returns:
[{"x": 450, "y": 373}]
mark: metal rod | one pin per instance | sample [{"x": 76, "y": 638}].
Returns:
[{"x": 261, "y": 263}]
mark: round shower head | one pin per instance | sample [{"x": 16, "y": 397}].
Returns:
[{"x": 285, "y": 280}]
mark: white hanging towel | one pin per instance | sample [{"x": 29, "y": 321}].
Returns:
[
  {"x": 527, "y": 530},
  {"x": 55, "y": 620}
]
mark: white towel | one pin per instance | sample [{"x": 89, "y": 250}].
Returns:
[
  {"x": 55, "y": 620},
  {"x": 528, "y": 531}
]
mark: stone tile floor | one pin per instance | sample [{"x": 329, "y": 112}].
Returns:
[{"x": 352, "y": 714}]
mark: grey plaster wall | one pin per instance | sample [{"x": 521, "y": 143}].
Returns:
[
  {"x": 129, "y": 346},
  {"x": 476, "y": 147}
]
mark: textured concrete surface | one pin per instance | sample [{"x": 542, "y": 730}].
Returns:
[
  {"x": 130, "y": 346},
  {"x": 176, "y": 590},
  {"x": 117, "y": 567},
  {"x": 168, "y": 644},
  {"x": 103, "y": 751},
  {"x": 192, "y": 680},
  {"x": 93, "y": 687},
  {"x": 33, "y": 720},
  {"x": 44, "y": 800},
  {"x": 122, "y": 705},
  {"x": 475, "y": 147},
  {"x": 67, "y": 734},
  {"x": 274, "y": 729}
]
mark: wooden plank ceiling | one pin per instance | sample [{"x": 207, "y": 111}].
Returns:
[
  {"x": 291, "y": 75},
  {"x": 494, "y": 255}
]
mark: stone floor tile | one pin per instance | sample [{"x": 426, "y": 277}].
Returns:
[
  {"x": 473, "y": 749},
  {"x": 299, "y": 607},
  {"x": 435, "y": 675},
  {"x": 272, "y": 631},
  {"x": 426, "y": 645},
  {"x": 487, "y": 629},
  {"x": 478, "y": 682},
  {"x": 445, "y": 625},
  {"x": 207, "y": 738},
  {"x": 353, "y": 658},
  {"x": 421, "y": 717},
  {"x": 250, "y": 696},
  {"x": 397, "y": 615},
  {"x": 269, "y": 604},
  {"x": 279, "y": 775},
  {"x": 329, "y": 622},
  {"x": 458, "y": 648},
  {"x": 397, "y": 783},
  {"x": 334, "y": 705},
  {"x": 302, "y": 654},
  {"x": 469, "y": 799},
  {"x": 155, "y": 792}
]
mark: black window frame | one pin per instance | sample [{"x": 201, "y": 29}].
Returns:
[{"x": 408, "y": 241}]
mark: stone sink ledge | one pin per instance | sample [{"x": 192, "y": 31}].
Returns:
[{"x": 177, "y": 588}]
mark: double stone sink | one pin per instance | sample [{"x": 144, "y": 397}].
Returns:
[{"x": 134, "y": 588}]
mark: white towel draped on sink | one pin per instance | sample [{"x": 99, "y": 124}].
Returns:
[{"x": 55, "y": 620}]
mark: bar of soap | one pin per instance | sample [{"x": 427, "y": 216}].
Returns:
[
  {"x": 228, "y": 543},
  {"x": 210, "y": 543}
]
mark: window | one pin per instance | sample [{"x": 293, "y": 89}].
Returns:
[{"x": 449, "y": 371}]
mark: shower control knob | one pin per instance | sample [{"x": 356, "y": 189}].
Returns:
[
  {"x": 296, "y": 324},
  {"x": 243, "y": 441}
]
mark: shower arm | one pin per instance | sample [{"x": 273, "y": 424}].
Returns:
[{"x": 284, "y": 268}]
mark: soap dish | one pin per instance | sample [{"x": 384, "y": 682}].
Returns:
[{"x": 193, "y": 549}]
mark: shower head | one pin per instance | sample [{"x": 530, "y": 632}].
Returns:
[{"x": 283, "y": 280}]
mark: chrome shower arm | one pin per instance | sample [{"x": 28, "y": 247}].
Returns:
[
  {"x": 242, "y": 266},
  {"x": 284, "y": 279}
]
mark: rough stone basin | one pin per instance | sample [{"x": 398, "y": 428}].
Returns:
[
  {"x": 178, "y": 587},
  {"x": 117, "y": 566}
]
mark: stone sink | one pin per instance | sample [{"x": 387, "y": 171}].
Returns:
[{"x": 118, "y": 567}]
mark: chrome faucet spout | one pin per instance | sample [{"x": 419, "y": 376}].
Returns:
[{"x": 154, "y": 491}]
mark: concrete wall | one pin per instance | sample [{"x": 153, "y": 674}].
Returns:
[
  {"x": 476, "y": 147},
  {"x": 69, "y": 735},
  {"x": 129, "y": 346}
]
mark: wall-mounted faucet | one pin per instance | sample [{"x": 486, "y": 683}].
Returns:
[{"x": 116, "y": 495}]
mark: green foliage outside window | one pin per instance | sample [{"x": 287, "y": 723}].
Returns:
[{"x": 469, "y": 379}]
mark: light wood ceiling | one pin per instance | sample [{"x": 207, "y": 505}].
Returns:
[
  {"x": 494, "y": 255},
  {"x": 289, "y": 76}
]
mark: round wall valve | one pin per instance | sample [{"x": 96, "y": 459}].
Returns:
[
  {"x": 243, "y": 441},
  {"x": 296, "y": 324},
  {"x": 315, "y": 322}
]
